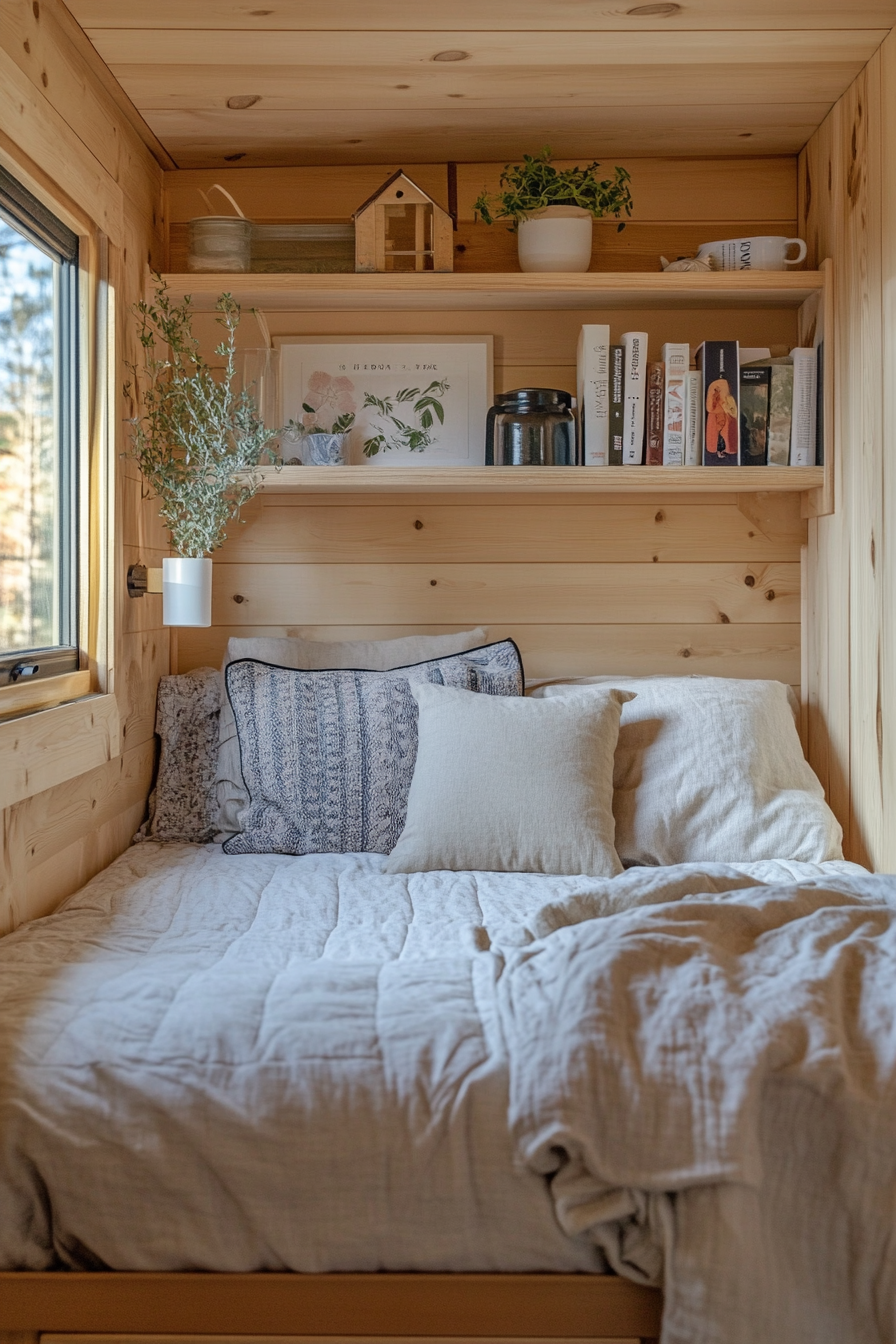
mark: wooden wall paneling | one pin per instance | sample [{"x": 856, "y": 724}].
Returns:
[
  {"x": 284, "y": 529},
  {"x": 68, "y": 130},
  {"x": 57, "y": 818},
  {"x": 560, "y": 650},
  {"x": 473, "y": 593},
  {"x": 822, "y": 191},
  {"x": 680, "y": 190},
  {"x": 886, "y": 550},
  {"x": 56, "y": 745},
  {"x": 849, "y": 570},
  {"x": 68, "y": 870},
  {"x": 29, "y": 126},
  {"x": 862, "y": 395}
]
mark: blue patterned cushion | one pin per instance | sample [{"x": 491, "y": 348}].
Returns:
[{"x": 327, "y": 757}]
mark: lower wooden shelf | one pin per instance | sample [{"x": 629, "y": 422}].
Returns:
[{"x": 363, "y": 480}]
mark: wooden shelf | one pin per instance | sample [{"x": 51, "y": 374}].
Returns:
[
  {"x": 624, "y": 289},
  {"x": 365, "y": 480}
]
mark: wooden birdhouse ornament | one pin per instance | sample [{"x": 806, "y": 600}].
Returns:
[{"x": 400, "y": 228}]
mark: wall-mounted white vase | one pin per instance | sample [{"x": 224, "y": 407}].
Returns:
[
  {"x": 558, "y": 238},
  {"x": 186, "y": 591}
]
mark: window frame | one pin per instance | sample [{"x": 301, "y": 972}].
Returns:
[{"x": 45, "y": 230}]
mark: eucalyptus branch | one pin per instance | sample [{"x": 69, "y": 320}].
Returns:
[{"x": 196, "y": 438}]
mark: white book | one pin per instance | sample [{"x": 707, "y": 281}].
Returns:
[
  {"x": 677, "y": 362},
  {"x": 693, "y": 444},
  {"x": 635, "y": 346},
  {"x": 593, "y": 386},
  {"x": 802, "y": 423}
]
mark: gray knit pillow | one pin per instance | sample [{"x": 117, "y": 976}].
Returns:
[{"x": 328, "y": 756}]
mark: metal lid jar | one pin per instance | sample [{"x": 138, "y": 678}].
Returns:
[{"x": 531, "y": 427}]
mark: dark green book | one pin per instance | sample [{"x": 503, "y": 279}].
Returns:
[
  {"x": 754, "y": 391},
  {"x": 617, "y": 403}
]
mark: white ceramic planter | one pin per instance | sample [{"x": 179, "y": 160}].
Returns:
[
  {"x": 558, "y": 238},
  {"x": 186, "y": 591}
]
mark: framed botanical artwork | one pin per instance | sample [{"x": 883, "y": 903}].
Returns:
[{"x": 400, "y": 400}]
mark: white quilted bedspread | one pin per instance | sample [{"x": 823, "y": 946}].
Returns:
[{"x": 264, "y": 1062}]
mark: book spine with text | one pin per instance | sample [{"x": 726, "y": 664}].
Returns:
[
  {"x": 656, "y": 381},
  {"x": 780, "y": 407},
  {"x": 693, "y": 443},
  {"x": 802, "y": 425},
  {"x": 676, "y": 363},
  {"x": 593, "y": 386},
  {"x": 718, "y": 362},
  {"x": 754, "y": 389},
  {"x": 617, "y": 403},
  {"x": 635, "y": 345}
]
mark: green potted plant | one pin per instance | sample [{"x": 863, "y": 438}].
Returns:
[
  {"x": 197, "y": 441},
  {"x": 552, "y": 210},
  {"x": 328, "y": 401}
]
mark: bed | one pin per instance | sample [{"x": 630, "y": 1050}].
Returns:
[{"x": 263, "y": 1063}]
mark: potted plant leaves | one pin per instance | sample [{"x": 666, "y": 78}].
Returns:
[
  {"x": 197, "y": 441},
  {"x": 552, "y": 210},
  {"x": 328, "y": 400}
]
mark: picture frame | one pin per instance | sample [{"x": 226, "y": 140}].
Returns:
[{"x": 416, "y": 400}]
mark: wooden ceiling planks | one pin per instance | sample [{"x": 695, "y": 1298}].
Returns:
[
  {"x": 349, "y": 82},
  {"x": 513, "y": 15}
]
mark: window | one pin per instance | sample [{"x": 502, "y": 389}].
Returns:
[{"x": 38, "y": 437}]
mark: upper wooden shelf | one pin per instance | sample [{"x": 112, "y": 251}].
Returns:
[
  {"x": 596, "y": 289},
  {"x": 364, "y": 480}
]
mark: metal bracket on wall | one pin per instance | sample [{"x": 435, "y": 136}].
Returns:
[{"x": 142, "y": 580}]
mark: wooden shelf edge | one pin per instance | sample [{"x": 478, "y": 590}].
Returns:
[
  {"x": 502, "y": 290},
  {"x": 578, "y": 1306},
  {"x": 361, "y": 480}
]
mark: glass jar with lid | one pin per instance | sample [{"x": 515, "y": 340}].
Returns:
[{"x": 531, "y": 427}]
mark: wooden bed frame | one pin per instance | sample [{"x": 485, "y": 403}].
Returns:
[{"x": 348, "y": 1307}]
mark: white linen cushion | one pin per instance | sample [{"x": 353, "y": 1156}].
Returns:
[
  {"x": 511, "y": 785},
  {"x": 710, "y": 769},
  {"x": 308, "y": 655}
]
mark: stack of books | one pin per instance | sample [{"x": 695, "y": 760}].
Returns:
[{"x": 729, "y": 407}]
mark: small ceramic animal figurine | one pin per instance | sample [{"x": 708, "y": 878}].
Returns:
[{"x": 687, "y": 264}]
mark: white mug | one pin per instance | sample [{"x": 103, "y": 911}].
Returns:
[{"x": 752, "y": 254}]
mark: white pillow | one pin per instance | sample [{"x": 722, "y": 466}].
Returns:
[
  {"x": 505, "y": 784},
  {"x": 710, "y": 769},
  {"x": 309, "y": 655}
]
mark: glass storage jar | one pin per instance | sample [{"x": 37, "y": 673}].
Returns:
[{"x": 531, "y": 427}]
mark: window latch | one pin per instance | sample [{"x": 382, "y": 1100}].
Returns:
[{"x": 23, "y": 670}]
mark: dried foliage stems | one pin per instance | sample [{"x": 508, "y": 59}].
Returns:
[
  {"x": 196, "y": 434},
  {"x": 535, "y": 184}
]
